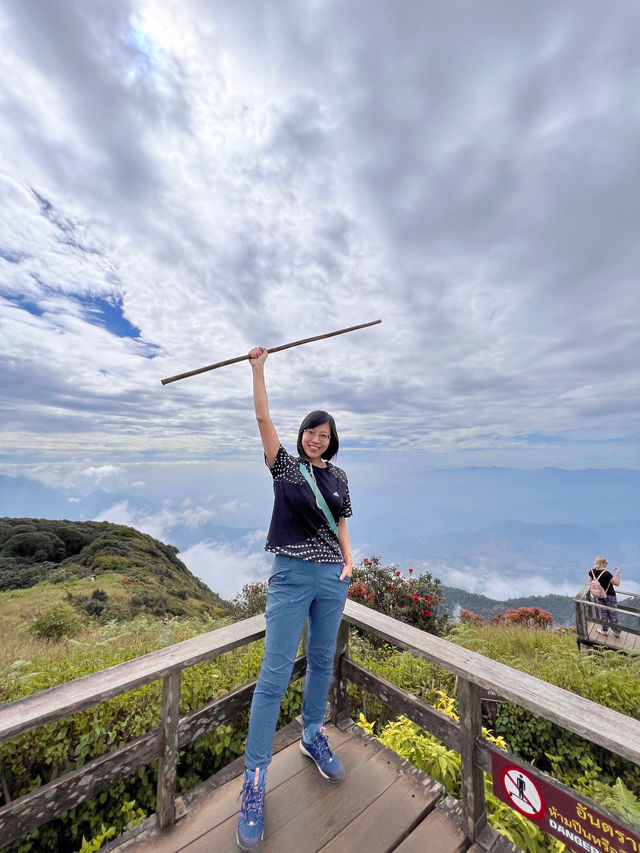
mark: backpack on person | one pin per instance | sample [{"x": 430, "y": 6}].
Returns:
[{"x": 595, "y": 587}]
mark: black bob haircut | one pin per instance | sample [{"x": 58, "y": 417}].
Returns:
[{"x": 314, "y": 419}]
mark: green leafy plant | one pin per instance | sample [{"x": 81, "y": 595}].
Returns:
[
  {"x": 431, "y": 756},
  {"x": 97, "y": 842},
  {"x": 57, "y": 622}
]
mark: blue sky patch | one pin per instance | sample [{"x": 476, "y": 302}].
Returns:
[
  {"x": 26, "y": 304},
  {"x": 108, "y": 313}
]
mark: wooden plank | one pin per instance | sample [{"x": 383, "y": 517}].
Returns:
[
  {"x": 581, "y": 612},
  {"x": 610, "y": 640},
  {"x": 304, "y": 789},
  {"x": 491, "y": 841},
  {"x": 41, "y": 708},
  {"x": 39, "y": 806},
  {"x": 608, "y": 728},
  {"x": 441, "y": 830},
  {"x": 210, "y": 805},
  {"x": 392, "y": 816},
  {"x": 403, "y": 702},
  {"x": 167, "y": 765},
  {"x": 473, "y": 806},
  {"x": 311, "y": 817}
]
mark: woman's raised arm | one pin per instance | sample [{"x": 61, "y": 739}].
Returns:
[{"x": 268, "y": 434}]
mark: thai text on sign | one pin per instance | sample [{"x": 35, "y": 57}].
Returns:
[{"x": 580, "y": 827}]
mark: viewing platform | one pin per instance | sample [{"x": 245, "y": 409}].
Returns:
[
  {"x": 384, "y": 803},
  {"x": 589, "y": 621}
]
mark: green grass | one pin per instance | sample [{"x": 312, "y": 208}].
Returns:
[{"x": 605, "y": 676}]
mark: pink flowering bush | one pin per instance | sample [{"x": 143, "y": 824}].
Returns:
[{"x": 414, "y": 599}]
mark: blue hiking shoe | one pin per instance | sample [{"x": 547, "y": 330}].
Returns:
[
  {"x": 327, "y": 761},
  {"x": 251, "y": 819}
]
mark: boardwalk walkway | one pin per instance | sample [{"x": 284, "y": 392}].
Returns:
[
  {"x": 626, "y": 642},
  {"x": 590, "y": 617},
  {"x": 384, "y": 804}
]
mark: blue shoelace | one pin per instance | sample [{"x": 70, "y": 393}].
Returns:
[
  {"x": 252, "y": 800},
  {"x": 321, "y": 743}
]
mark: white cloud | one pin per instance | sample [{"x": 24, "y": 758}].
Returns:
[
  {"x": 235, "y": 506},
  {"x": 226, "y": 568},
  {"x": 157, "y": 524},
  {"x": 102, "y": 472},
  {"x": 233, "y": 174},
  {"x": 502, "y": 584}
]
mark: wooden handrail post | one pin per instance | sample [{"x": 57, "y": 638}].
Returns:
[
  {"x": 339, "y": 698},
  {"x": 167, "y": 765},
  {"x": 582, "y": 632},
  {"x": 473, "y": 804}
]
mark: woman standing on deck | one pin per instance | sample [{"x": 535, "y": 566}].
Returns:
[
  {"x": 308, "y": 584},
  {"x": 607, "y": 581}
]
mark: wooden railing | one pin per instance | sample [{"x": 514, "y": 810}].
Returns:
[
  {"x": 613, "y": 731},
  {"x": 41, "y": 805},
  {"x": 588, "y": 610}
]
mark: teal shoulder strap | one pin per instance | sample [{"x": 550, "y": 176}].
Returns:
[{"x": 319, "y": 497}]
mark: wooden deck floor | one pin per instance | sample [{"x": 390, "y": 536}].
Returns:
[
  {"x": 626, "y": 642},
  {"x": 384, "y": 804}
]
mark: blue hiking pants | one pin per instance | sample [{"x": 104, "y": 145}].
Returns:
[{"x": 299, "y": 591}]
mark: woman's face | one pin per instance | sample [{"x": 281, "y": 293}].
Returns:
[{"x": 315, "y": 441}]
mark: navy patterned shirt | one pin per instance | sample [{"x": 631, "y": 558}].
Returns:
[{"x": 298, "y": 527}]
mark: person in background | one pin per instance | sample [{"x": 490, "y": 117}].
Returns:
[
  {"x": 308, "y": 585},
  {"x": 607, "y": 581}
]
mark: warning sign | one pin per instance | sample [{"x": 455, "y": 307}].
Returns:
[
  {"x": 523, "y": 792},
  {"x": 578, "y": 822}
]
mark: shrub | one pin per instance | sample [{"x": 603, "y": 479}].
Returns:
[
  {"x": 470, "y": 617},
  {"x": 94, "y": 607},
  {"x": 60, "y": 576},
  {"x": 57, "y": 622},
  {"x": 525, "y": 617},
  {"x": 414, "y": 600},
  {"x": 250, "y": 601},
  {"x": 111, "y": 562},
  {"x": 99, "y": 595},
  {"x": 35, "y": 545}
]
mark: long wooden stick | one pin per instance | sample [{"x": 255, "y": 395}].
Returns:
[{"x": 275, "y": 349}]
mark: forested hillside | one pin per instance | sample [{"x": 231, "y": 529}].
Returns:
[
  {"x": 141, "y": 573},
  {"x": 561, "y": 607}
]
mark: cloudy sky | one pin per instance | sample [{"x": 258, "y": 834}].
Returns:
[{"x": 184, "y": 179}]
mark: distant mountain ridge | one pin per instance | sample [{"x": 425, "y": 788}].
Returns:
[
  {"x": 549, "y": 555},
  {"x": 535, "y": 531},
  {"x": 561, "y": 607}
]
